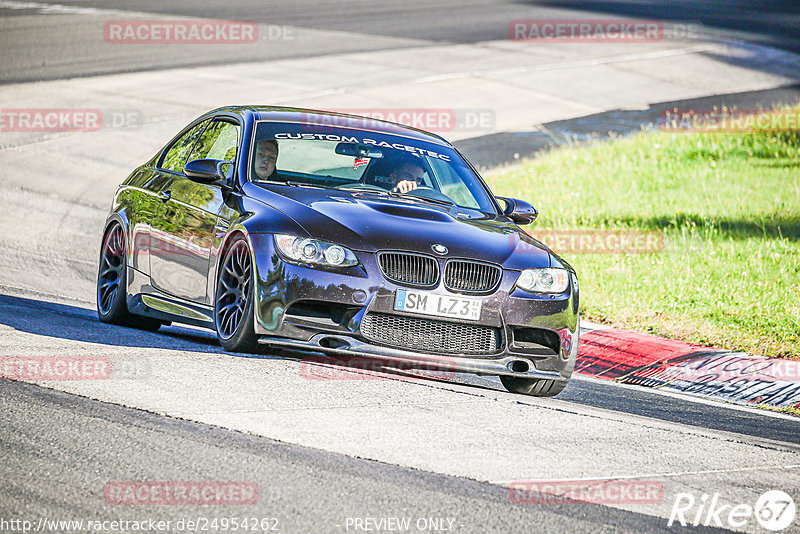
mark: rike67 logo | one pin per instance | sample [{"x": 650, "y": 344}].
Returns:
[{"x": 774, "y": 510}]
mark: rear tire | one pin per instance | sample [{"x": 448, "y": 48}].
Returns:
[
  {"x": 533, "y": 386},
  {"x": 112, "y": 306},
  {"x": 234, "y": 299}
]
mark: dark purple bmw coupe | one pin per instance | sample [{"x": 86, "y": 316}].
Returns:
[{"x": 332, "y": 233}]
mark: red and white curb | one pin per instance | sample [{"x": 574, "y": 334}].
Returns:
[{"x": 653, "y": 361}]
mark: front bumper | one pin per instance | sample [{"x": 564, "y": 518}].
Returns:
[
  {"x": 337, "y": 345},
  {"x": 363, "y": 289}
]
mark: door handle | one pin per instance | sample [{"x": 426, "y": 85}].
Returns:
[{"x": 165, "y": 195}]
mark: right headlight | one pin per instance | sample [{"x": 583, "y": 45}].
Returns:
[
  {"x": 314, "y": 251},
  {"x": 543, "y": 280}
]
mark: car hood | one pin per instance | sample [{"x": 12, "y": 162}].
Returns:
[{"x": 370, "y": 222}]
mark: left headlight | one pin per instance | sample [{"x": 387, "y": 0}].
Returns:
[
  {"x": 543, "y": 280},
  {"x": 314, "y": 251}
]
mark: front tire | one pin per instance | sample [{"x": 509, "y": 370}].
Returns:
[
  {"x": 112, "y": 306},
  {"x": 532, "y": 386},
  {"x": 234, "y": 299}
]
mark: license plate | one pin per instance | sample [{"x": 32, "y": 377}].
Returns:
[{"x": 438, "y": 305}]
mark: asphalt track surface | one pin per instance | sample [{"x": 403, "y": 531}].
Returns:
[
  {"x": 63, "y": 442},
  {"x": 306, "y": 490},
  {"x": 59, "y": 450},
  {"x": 55, "y": 49}
]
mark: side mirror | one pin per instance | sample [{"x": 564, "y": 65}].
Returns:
[
  {"x": 519, "y": 211},
  {"x": 207, "y": 171}
]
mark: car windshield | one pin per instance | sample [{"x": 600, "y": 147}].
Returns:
[{"x": 323, "y": 156}]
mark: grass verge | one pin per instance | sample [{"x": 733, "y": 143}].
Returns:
[
  {"x": 790, "y": 410},
  {"x": 726, "y": 207}
]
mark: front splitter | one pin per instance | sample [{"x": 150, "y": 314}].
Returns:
[{"x": 349, "y": 346}]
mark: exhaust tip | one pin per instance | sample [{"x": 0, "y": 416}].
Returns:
[
  {"x": 333, "y": 343},
  {"x": 519, "y": 366}
]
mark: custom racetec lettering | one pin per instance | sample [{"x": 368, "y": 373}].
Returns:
[
  {"x": 400, "y": 146},
  {"x": 364, "y": 141},
  {"x": 317, "y": 136}
]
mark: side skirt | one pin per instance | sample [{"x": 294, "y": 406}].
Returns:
[{"x": 144, "y": 299}]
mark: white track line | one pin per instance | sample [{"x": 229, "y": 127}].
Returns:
[{"x": 661, "y": 475}]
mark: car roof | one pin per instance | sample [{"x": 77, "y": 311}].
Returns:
[{"x": 334, "y": 119}]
